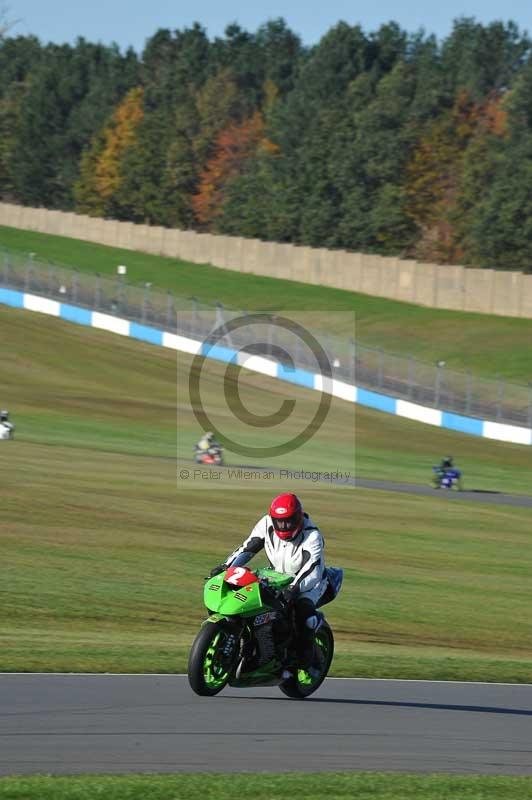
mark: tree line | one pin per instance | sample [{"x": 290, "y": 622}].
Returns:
[{"x": 384, "y": 142}]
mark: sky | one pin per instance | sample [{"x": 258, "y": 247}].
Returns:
[{"x": 131, "y": 22}]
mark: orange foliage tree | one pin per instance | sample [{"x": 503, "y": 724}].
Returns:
[
  {"x": 100, "y": 167},
  {"x": 233, "y": 147},
  {"x": 434, "y": 174}
]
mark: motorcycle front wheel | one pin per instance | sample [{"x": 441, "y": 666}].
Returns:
[
  {"x": 212, "y": 658},
  {"x": 302, "y": 684}
]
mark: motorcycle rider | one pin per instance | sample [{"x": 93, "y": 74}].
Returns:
[
  {"x": 207, "y": 443},
  {"x": 294, "y": 546},
  {"x": 446, "y": 474},
  {"x": 446, "y": 463},
  {"x": 6, "y": 427}
]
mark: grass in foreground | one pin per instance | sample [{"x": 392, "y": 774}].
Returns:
[
  {"x": 104, "y": 571},
  {"x": 311, "y": 786},
  {"x": 103, "y": 555},
  {"x": 487, "y": 345}
]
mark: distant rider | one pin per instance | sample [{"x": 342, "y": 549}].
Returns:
[
  {"x": 207, "y": 443},
  {"x": 446, "y": 464},
  {"x": 447, "y": 475},
  {"x": 294, "y": 546},
  {"x": 6, "y": 427}
]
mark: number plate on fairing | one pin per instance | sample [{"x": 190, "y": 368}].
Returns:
[{"x": 240, "y": 576}]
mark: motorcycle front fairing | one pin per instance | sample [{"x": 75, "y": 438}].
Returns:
[
  {"x": 237, "y": 591},
  {"x": 239, "y": 596}
]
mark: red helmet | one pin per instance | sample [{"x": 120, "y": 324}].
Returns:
[{"x": 286, "y": 512}]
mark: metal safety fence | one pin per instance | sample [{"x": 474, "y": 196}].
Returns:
[{"x": 399, "y": 376}]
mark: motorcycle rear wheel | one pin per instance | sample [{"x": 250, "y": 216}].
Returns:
[
  {"x": 301, "y": 684},
  {"x": 209, "y": 667}
]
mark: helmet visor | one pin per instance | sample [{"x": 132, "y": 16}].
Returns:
[{"x": 287, "y": 524}]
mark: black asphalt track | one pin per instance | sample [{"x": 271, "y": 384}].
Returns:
[
  {"x": 494, "y": 498},
  {"x": 67, "y": 724},
  {"x": 473, "y": 496}
]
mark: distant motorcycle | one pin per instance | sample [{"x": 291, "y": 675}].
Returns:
[
  {"x": 7, "y": 429},
  {"x": 212, "y": 456},
  {"x": 447, "y": 478}
]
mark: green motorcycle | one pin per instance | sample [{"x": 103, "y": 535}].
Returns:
[{"x": 249, "y": 638}]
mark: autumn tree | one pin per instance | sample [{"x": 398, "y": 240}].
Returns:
[
  {"x": 101, "y": 174},
  {"x": 380, "y": 141},
  {"x": 70, "y": 93},
  {"x": 18, "y": 57},
  {"x": 495, "y": 210},
  {"x": 433, "y": 179},
  {"x": 233, "y": 148},
  {"x": 159, "y": 169}
]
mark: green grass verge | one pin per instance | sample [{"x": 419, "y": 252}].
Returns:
[
  {"x": 485, "y": 344},
  {"x": 105, "y": 571},
  {"x": 104, "y": 554},
  {"x": 105, "y": 392},
  {"x": 336, "y": 786}
]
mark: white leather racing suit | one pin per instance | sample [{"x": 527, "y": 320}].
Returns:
[
  {"x": 6, "y": 430},
  {"x": 301, "y": 557}
]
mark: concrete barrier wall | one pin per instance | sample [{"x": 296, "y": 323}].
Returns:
[
  {"x": 526, "y": 297},
  {"x": 457, "y": 288}
]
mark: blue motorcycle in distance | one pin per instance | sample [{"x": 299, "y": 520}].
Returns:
[{"x": 450, "y": 478}]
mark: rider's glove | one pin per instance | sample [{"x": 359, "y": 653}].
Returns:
[
  {"x": 216, "y": 570},
  {"x": 289, "y": 594}
]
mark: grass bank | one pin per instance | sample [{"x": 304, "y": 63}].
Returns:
[
  {"x": 105, "y": 392},
  {"x": 105, "y": 571},
  {"x": 104, "y": 553},
  {"x": 487, "y": 345}
]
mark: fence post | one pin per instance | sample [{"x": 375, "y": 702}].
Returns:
[
  {"x": 50, "y": 279},
  {"x": 438, "y": 383},
  {"x": 220, "y": 319},
  {"x": 145, "y": 301},
  {"x": 353, "y": 359},
  {"x": 121, "y": 291},
  {"x": 220, "y": 323},
  {"x": 410, "y": 379},
  {"x": 97, "y": 291},
  {"x": 194, "y": 321},
  {"x": 469, "y": 391},
  {"x": 380, "y": 368},
  {"x": 75, "y": 286},
  {"x": 169, "y": 309},
  {"x": 269, "y": 330},
  {"x": 500, "y": 397},
  {"x": 450, "y": 400},
  {"x": 29, "y": 272},
  {"x": 297, "y": 353},
  {"x": 6, "y": 267}
]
